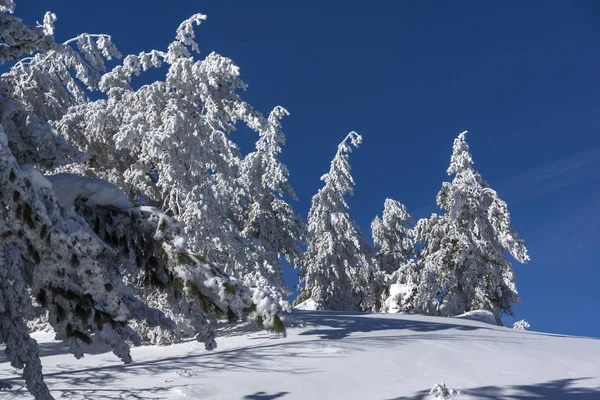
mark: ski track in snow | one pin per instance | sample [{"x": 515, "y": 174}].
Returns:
[{"x": 331, "y": 355}]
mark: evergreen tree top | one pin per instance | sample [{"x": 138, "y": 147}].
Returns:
[
  {"x": 461, "y": 159},
  {"x": 339, "y": 178}
]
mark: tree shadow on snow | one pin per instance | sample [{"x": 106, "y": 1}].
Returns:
[
  {"x": 150, "y": 393},
  {"x": 48, "y": 349},
  {"x": 239, "y": 329},
  {"x": 341, "y": 325},
  {"x": 264, "y": 396},
  {"x": 104, "y": 382},
  {"x": 560, "y": 389}
]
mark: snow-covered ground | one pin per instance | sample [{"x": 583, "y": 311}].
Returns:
[{"x": 331, "y": 355}]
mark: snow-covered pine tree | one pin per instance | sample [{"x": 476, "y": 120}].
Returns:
[
  {"x": 521, "y": 325},
  {"x": 167, "y": 143},
  {"x": 395, "y": 252},
  {"x": 270, "y": 222},
  {"x": 392, "y": 236},
  {"x": 165, "y": 273},
  {"x": 338, "y": 270},
  {"x": 46, "y": 250},
  {"x": 47, "y": 74},
  {"x": 64, "y": 238},
  {"x": 462, "y": 266}
]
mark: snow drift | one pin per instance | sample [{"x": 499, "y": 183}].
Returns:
[{"x": 479, "y": 315}]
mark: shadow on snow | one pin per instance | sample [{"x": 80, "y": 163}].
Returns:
[
  {"x": 333, "y": 325},
  {"x": 560, "y": 389},
  {"x": 264, "y": 396},
  {"x": 264, "y": 357}
]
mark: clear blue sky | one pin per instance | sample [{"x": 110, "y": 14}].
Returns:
[{"x": 521, "y": 77}]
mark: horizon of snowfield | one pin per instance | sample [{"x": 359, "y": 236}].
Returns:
[{"x": 333, "y": 355}]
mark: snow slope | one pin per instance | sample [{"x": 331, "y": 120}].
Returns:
[{"x": 332, "y": 355}]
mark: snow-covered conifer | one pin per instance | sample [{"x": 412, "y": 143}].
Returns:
[
  {"x": 521, "y": 325},
  {"x": 50, "y": 246},
  {"x": 442, "y": 392},
  {"x": 47, "y": 251},
  {"x": 69, "y": 270},
  {"x": 392, "y": 236},
  {"x": 43, "y": 82},
  {"x": 167, "y": 143},
  {"x": 161, "y": 270},
  {"x": 462, "y": 266},
  {"x": 338, "y": 266},
  {"x": 395, "y": 250},
  {"x": 270, "y": 221}
]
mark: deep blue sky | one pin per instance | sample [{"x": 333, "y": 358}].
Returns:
[{"x": 521, "y": 77}]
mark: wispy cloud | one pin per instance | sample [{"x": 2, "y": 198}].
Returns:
[
  {"x": 540, "y": 181},
  {"x": 561, "y": 174},
  {"x": 569, "y": 236}
]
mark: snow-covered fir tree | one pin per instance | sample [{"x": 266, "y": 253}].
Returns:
[
  {"x": 392, "y": 236},
  {"x": 48, "y": 251},
  {"x": 65, "y": 239},
  {"x": 339, "y": 270},
  {"x": 164, "y": 272},
  {"x": 395, "y": 252},
  {"x": 167, "y": 143},
  {"x": 521, "y": 325},
  {"x": 270, "y": 222},
  {"x": 462, "y": 266}
]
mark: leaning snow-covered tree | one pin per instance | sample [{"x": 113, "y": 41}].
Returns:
[
  {"x": 47, "y": 250},
  {"x": 47, "y": 73},
  {"x": 167, "y": 144},
  {"x": 462, "y": 266},
  {"x": 162, "y": 270},
  {"x": 339, "y": 270},
  {"x": 64, "y": 238}
]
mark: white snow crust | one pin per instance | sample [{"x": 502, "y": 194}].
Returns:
[
  {"x": 479, "y": 315},
  {"x": 99, "y": 192}
]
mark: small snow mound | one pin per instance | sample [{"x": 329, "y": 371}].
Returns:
[
  {"x": 442, "y": 392},
  {"x": 308, "y": 305},
  {"x": 185, "y": 373},
  {"x": 325, "y": 349},
  {"x": 479, "y": 315},
  {"x": 189, "y": 392},
  {"x": 68, "y": 187}
]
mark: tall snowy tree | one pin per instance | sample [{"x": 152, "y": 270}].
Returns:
[
  {"x": 392, "y": 236},
  {"x": 275, "y": 229},
  {"x": 167, "y": 143},
  {"x": 338, "y": 266},
  {"x": 64, "y": 238},
  {"x": 46, "y": 250},
  {"x": 462, "y": 265},
  {"x": 395, "y": 252}
]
